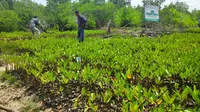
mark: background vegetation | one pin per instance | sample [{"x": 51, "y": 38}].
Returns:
[{"x": 59, "y": 14}]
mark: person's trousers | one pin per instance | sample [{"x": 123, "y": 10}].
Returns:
[
  {"x": 34, "y": 29},
  {"x": 81, "y": 34}
]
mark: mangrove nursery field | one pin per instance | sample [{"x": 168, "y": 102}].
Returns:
[{"x": 107, "y": 74}]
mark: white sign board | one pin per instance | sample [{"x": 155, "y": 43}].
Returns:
[{"x": 151, "y": 13}]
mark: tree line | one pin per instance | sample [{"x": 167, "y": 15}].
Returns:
[{"x": 59, "y": 14}]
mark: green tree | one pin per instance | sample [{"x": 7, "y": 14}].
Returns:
[
  {"x": 119, "y": 3},
  {"x": 84, "y": 1},
  {"x": 182, "y": 20},
  {"x": 58, "y": 1},
  {"x": 127, "y": 16},
  {"x": 66, "y": 18},
  {"x": 166, "y": 16},
  {"x": 25, "y": 10},
  {"x": 10, "y": 3},
  {"x": 195, "y": 14},
  {"x": 96, "y": 2},
  {"x": 8, "y": 21},
  {"x": 141, "y": 10},
  {"x": 177, "y": 14},
  {"x": 103, "y": 16},
  {"x": 171, "y": 16},
  {"x": 4, "y": 5},
  {"x": 51, "y": 12},
  {"x": 181, "y": 7},
  {"x": 99, "y": 2},
  {"x": 97, "y": 15},
  {"x": 87, "y": 11},
  {"x": 153, "y": 2}
]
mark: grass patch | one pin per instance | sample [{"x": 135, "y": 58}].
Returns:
[{"x": 7, "y": 77}]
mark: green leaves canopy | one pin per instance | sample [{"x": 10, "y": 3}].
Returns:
[
  {"x": 127, "y": 16},
  {"x": 8, "y": 21}
]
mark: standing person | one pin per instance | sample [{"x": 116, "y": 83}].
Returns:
[
  {"x": 33, "y": 27},
  {"x": 199, "y": 23},
  {"x": 81, "y": 21}
]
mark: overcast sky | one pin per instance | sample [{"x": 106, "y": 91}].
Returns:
[{"x": 192, "y": 3}]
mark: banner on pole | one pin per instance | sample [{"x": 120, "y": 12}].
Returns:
[{"x": 151, "y": 13}]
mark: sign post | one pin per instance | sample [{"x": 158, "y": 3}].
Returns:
[{"x": 151, "y": 13}]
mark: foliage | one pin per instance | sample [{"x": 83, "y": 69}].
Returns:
[
  {"x": 9, "y": 21},
  {"x": 119, "y": 3},
  {"x": 182, "y": 20},
  {"x": 27, "y": 35},
  {"x": 58, "y": 1},
  {"x": 59, "y": 14},
  {"x": 66, "y": 20},
  {"x": 87, "y": 10},
  {"x": 127, "y": 16},
  {"x": 11, "y": 79},
  {"x": 140, "y": 73},
  {"x": 26, "y": 9},
  {"x": 4, "y": 5},
  {"x": 153, "y": 2},
  {"x": 180, "y": 6},
  {"x": 176, "y": 18},
  {"x": 193, "y": 30},
  {"x": 195, "y": 14}
]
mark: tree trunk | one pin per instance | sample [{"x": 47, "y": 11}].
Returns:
[{"x": 109, "y": 28}]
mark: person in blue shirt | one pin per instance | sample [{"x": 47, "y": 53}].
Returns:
[
  {"x": 33, "y": 24},
  {"x": 81, "y": 21}
]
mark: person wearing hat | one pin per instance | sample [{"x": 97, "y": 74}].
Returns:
[{"x": 81, "y": 21}]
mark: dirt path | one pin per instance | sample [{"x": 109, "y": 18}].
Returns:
[{"x": 15, "y": 98}]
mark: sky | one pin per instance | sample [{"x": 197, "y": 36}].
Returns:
[{"x": 192, "y": 3}]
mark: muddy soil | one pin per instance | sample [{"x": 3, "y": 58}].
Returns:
[{"x": 15, "y": 98}]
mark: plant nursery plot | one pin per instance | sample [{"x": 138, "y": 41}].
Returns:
[{"x": 114, "y": 74}]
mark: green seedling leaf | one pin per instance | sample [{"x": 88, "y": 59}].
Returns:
[
  {"x": 61, "y": 89},
  {"x": 125, "y": 107},
  {"x": 83, "y": 91},
  {"x": 184, "y": 94},
  {"x": 172, "y": 99},
  {"x": 92, "y": 97},
  {"x": 100, "y": 84},
  {"x": 169, "y": 99},
  {"x": 107, "y": 96},
  {"x": 166, "y": 97},
  {"x": 195, "y": 94},
  {"x": 95, "y": 108},
  {"x": 134, "y": 106},
  {"x": 87, "y": 108}
]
